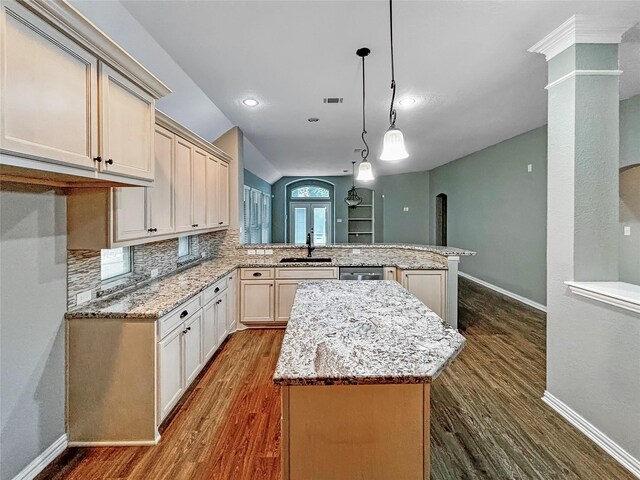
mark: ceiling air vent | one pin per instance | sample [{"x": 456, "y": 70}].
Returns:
[{"x": 333, "y": 100}]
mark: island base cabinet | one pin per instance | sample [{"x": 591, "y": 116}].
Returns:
[{"x": 344, "y": 432}]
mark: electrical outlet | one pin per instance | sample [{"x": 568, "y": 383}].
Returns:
[
  {"x": 338, "y": 220},
  {"x": 406, "y": 209},
  {"x": 529, "y": 168},
  {"x": 627, "y": 230},
  {"x": 268, "y": 252},
  {"x": 355, "y": 251},
  {"x": 251, "y": 252},
  {"x": 260, "y": 252},
  {"x": 83, "y": 297},
  {"x": 154, "y": 273}
]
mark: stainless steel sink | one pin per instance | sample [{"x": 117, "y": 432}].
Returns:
[{"x": 305, "y": 260}]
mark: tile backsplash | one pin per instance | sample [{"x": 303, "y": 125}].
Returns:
[{"x": 83, "y": 266}]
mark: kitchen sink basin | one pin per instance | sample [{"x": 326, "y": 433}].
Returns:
[{"x": 305, "y": 260}]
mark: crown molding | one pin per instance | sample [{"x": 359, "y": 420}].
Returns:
[{"x": 582, "y": 29}]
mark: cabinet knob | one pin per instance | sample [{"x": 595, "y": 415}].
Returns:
[
  {"x": 217, "y": 289},
  {"x": 152, "y": 230},
  {"x": 110, "y": 161},
  {"x": 188, "y": 328},
  {"x": 97, "y": 159},
  {"x": 184, "y": 332},
  {"x": 184, "y": 314},
  {"x": 220, "y": 223}
]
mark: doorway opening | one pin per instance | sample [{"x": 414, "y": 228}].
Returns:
[{"x": 441, "y": 220}]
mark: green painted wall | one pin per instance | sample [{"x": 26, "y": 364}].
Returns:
[
  {"x": 498, "y": 209},
  {"x": 256, "y": 182},
  {"x": 410, "y": 190}
]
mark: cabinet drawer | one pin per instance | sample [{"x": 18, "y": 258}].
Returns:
[
  {"x": 307, "y": 273},
  {"x": 179, "y": 315},
  {"x": 256, "y": 273},
  {"x": 215, "y": 289}
]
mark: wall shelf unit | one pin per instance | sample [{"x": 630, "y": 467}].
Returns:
[{"x": 362, "y": 218}]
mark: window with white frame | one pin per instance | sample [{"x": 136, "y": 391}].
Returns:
[
  {"x": 184, "y": 247},
  {"x": 115, "y": 263},
  {"x": 257, "y": 216}
]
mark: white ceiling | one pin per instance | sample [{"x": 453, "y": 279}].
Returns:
[{"x": 466, "y": 62}]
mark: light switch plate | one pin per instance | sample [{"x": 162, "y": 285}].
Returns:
[
  {"x": 529, "y": 168},
  {"x": 406, "y": 209},
  {"x": 154, "y": 273},
  {"x": 260, "y": 251},
  {"x": 627, "y": 230},
  {"x": 83, "y": 297},
  {"x": 251, "y": 252},
  {"x": 338, "y": 220},
  {"x": 268, "y": 252},
  {"x": 356, "y": 251}
]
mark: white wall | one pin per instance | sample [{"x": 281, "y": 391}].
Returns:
[{"x": 33, "y": 290}]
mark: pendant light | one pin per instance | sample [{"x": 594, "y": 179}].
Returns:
[
  {"x": 352, "y": 199},
  {"x": 365, "y": 172},
  {"x": 393, "y": 143}
]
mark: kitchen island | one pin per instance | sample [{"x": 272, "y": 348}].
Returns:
[{"x": 355, "y": 369}]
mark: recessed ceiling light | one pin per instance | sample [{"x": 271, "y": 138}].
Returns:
[
  {"x": 313, "y": 119},
  {"x": 405, "y": 102},
  {"x": 250, "y": 102}
]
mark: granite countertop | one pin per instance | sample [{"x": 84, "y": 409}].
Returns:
[
  {"x": 372, "y": 332},
  {"x": 440, "y": 250},
  {"x": 156, "y": 298}
]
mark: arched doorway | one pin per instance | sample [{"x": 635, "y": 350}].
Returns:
[
  {"x": 310, "y": 211},
  {"x": 441, "y": 219}
]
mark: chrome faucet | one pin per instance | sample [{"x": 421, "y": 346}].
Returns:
[{"x": 309, "y": 247}]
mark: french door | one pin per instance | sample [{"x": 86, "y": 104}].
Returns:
[{"x": 310, "y": 217}]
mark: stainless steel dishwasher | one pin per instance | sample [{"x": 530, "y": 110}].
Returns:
[{"x": 361, "y": 273}]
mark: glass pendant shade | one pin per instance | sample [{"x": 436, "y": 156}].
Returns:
[
  {"x": 365, "y": 172},
  {"x": 393, "y": 145}
]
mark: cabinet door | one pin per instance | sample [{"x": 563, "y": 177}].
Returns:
[
  {"x": 182, "y": 185},
  {"x": 199, "y": 188},
  {"x": 256, "y": 301},
  {"x": 130, "y": 219},
  {"x": 127, "y": 116},
  {"x": 429, "y": 287},
  {"x": 161, "y": 195},
  {"x": 209, "y": 337},
  {"x": 222, "y": 308},
  {"x": 223, "y": 194},
  {"x": 212, "y": 192},
  {"x": 285, "y": 294},
  {"x": 171, "y": 371},
  {"x": 232, "y": 301},
  {"x": 390, "y": 273},
  {"x": 192, "y": 348},
  {"x": 48, "y": 92}
]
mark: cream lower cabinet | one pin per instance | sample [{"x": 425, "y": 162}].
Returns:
[
  {"x": 429, "y": 286},
  {"x": 269, "y": 301},
  {"x": 390, "y": 273},
  {"x": 215, "y": 321}
]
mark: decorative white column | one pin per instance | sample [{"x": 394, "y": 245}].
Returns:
[{"x": 452, "y": 290}]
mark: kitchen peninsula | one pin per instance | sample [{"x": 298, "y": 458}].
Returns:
[{"x": 355, "y": 369}]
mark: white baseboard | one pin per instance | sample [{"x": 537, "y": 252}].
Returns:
[
  {"x": 613, "y": 449},
  {"x": 133, "y": 443},
  {"x": 41, "y": 461},
  {"x": 515, "y": 296}
]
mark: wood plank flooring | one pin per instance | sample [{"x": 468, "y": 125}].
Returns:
[{"x": 487, "y": 419}]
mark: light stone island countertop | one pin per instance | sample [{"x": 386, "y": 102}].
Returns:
[
  {"x": 372, "y": 332},
  {"x": 440, "y": 250},
  {"x": 154, "y": 299}
]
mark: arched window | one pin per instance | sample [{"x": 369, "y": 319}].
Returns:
[{"x": 310, "y": 191}]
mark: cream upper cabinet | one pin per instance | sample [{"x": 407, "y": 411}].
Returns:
[
  {"x": 62, "y": 110},
  {"x": 131, "y": 213},
  {"x": 429, "y": 286},
  {"x": 199, "y": 189},
  {"x": 182, "y": 188},
  {"x": 161, "y": 195},
  {"x": 223, "y": 194},
  {"x": 212, "y": 191},
  {"x": 48, "y": 94},
  {"x": 127, "y": 126}
]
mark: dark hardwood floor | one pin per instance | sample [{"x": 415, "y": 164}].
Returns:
[{"x": 488, "y": 421}]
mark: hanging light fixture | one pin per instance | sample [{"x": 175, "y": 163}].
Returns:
[
  {"x": 365, "y": 172},
  {"x": 352, "y": 199},
  {"x": 393, "y": 143}
]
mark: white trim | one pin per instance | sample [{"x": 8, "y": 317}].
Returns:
[
  {"x": 619, "y": 294},
  {"x": 39, "y": 463},
  {"x": 515, "y": 296},
  {"x": 582, "y": 29},
  {"x": 609, "y": 446},
  {"x": 125, "y": 443},
  {"x": 577, "y": 73}
]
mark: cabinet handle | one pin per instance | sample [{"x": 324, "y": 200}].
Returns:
[
  {"x": 257, "y": 274},
  {"x": 217, "y": 289},
  {"x": 188, "y": 328},
  {"x": 97, "y": 159},
  {"x": 194, "y": 225},
  {"x": 152, "y": 230},
  {"x": 184, "y": 314},
  {"x": 110, "y": 161},
  {"x": 220, "y": 223}
]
